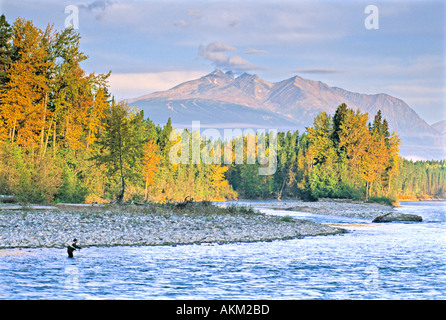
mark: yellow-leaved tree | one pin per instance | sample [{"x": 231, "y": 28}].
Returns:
[
  {"x": 96, "y": 115},
  {"x": 394, "y": 164},
  {"x": 374, "y": 161},
  {"x": 22, "y": 98},
  {"x": 150, "y": 162},
  {"x": 218, "y": 179}
]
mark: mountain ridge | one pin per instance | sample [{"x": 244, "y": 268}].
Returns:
[
  {"x": 220, "y": 99},
  {"x": 440, "y": 126}
]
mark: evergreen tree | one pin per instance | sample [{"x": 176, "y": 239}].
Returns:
[
  {"x": 164, "y": 139},
  {"x": 380, "y": 126},
  {"x": 5, "y": 50},
  {"x": 338, "y": 119}
]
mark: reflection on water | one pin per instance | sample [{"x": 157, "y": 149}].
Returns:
[{"x": 384, "y": 261}]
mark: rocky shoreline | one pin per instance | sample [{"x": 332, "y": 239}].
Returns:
[
  {"x": 377, "y": 213},
  {"x": 151, "y": 226},
  {"x": 340, "y": 207}
]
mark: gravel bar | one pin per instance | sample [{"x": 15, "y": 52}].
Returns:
[
  {"x": 345, "y": 208},
  {"x": 55, "y": 228}
]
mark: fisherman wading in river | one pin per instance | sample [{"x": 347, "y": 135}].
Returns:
[{"x": 72, "y": 247}]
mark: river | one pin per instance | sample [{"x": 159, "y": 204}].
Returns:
[{"x": 372, "y": 261}]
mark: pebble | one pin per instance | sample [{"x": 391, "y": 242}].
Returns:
[
  {"x": 57, "y": 228},
  {"x": 344, "y": 208}
]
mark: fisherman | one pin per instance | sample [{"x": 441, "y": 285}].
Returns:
[{"x": 72, "y": 247}]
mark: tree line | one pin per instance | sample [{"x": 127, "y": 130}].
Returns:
[
  {"x": 63, "y": 137},
  {"x": 342, "y": 156}
]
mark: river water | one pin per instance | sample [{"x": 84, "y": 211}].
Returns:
[{"x": 372, "y": 261}]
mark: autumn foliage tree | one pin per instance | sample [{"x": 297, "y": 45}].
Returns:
[
  {"x": 63, "y": 137},
  {"x": 150, "y": 161},
  {"x": 46, "y": 99},
  {"x": 22, "y": 97},
  {"x": 345, "y": 150}
]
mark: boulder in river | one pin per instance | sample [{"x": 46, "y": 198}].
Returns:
[{"x": 393, "y": 216}]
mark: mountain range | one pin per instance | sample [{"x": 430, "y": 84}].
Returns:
[{"x": 222, "y": 100}]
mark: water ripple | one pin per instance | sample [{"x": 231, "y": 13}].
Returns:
[{"x": 390, "y": 261}]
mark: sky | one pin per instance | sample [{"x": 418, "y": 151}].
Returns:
[{"x": 394, "y": 47}]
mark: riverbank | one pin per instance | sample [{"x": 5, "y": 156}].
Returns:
[
  {"x": 150, "y": 225},
  {"x": 335, "y": 207},
  {"x": 403, "y": 198},
  {"x": 397, "y": 261}
]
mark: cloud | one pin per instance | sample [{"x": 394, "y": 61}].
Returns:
[
  {"x": 219, "y": 47},
  {"x": 180, "y": 23},
  {"x": 216, "y": 53},
  {"x": 192, "y": 18},
  {"x": 97, "y": 7},
  {"x": 317, "y": 71},
  {"x": 195, "y": 14},
  {"x": 233, "y": 23},
  {"x": 255, "y": 51}
]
